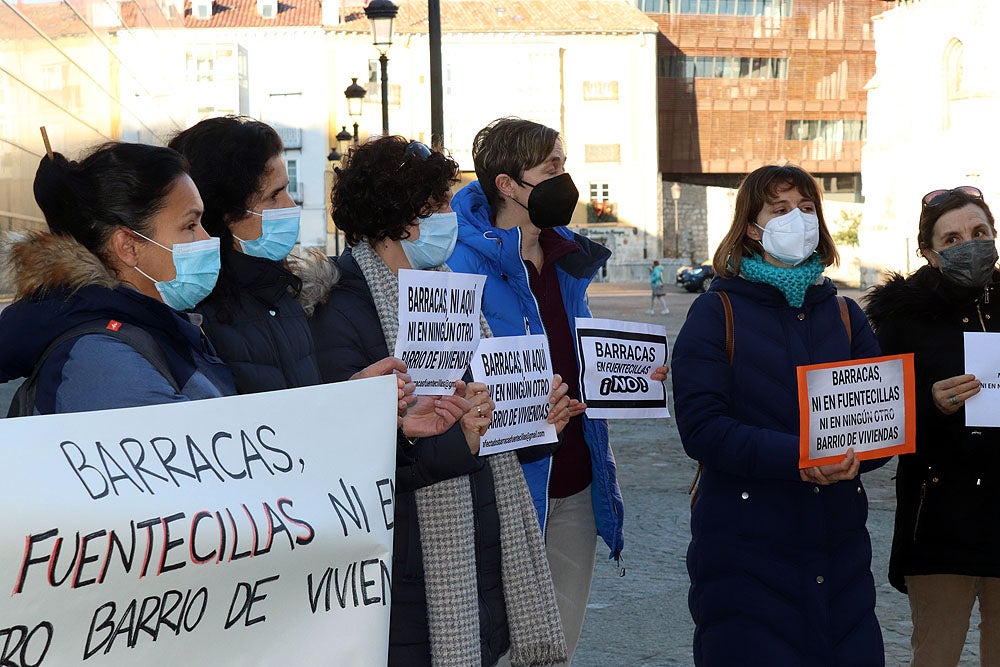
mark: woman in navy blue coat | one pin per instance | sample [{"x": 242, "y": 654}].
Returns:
[{"x": 780, "y": 558}]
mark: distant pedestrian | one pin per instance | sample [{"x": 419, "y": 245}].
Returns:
[
  {"x": 946, "y": 543},
  {"x": 780, "y": 558},
  {"x": 658, "y": 290}
]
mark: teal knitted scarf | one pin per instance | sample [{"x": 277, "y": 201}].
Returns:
[{"x": 793, "y": 281}]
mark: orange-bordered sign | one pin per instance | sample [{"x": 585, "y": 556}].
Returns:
[{"x": 868, "y": 404}]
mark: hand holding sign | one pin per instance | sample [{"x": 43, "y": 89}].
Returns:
[
  {"x": 952, "y": 393},
  {"x": 477, "y": 419},
  {"x": 563, "y": 407},
  {"x": 404, "y": 383},
  {"x": 433, "y": 415},
  {"x": 833, "y": 472}
]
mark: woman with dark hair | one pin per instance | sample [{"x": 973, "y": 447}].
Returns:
[
  {"x": 257, "y": 314},
  {"x": 780, "y": 558},
  {"x": 252, "y": 316},
  {"x": 946, "y": 543},
  {"x": 469, "y": 577},
  {"x": 125, "y": 249}
]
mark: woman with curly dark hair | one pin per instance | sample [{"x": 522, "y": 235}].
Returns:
[{"x": 469, "y": 576}]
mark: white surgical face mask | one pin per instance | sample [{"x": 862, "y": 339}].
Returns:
[{"x": 791, "y": 238}]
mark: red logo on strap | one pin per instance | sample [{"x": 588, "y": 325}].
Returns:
[{"x": 114, "y": 325}]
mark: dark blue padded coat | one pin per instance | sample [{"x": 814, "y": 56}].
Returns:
[
  {"x": 69, "y": 286},
  {"x": 780, "y": 569}
]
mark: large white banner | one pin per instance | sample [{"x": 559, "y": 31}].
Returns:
[{"x": 250, "y": 530}]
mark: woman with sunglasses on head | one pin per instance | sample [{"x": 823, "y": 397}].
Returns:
[
  {"x": 469, "y": 579},
  {"x": 780, "y": 558},
  {"x": 946, "y": 543},
  {"x": 124, "y": 254}
]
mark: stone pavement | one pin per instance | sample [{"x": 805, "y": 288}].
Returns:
[{"x": 642, "y": 619}]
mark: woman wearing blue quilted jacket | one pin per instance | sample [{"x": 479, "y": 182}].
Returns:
[
  {"x": 512, "y": 229},
  {"x": 780, "y": 558}
]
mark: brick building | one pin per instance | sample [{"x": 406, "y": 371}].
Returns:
[{"x": 743, "y": 83}]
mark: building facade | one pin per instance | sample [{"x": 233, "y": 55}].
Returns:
[
  {"x": 60, "y": 67},
  {"x": 586, "y": 69},
  {"x": 744, "y": 83},
  {"x": 932, "y": 105}
]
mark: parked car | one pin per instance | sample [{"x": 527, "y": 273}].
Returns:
[{"x": 695, "y": 278}]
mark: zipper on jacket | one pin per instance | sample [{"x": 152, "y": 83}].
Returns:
[
  {"x": 980, "y": 314},
  {"x": 920, "y": 508}
]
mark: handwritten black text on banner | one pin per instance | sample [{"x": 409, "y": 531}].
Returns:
[{"x": 224, "y": 531}]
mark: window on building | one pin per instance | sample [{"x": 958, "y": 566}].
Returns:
[
  {"x": 600, "y": 90},
  {"x": 774, "y": 8},
  {"x": 721, "y": 67},
  {"x": 206, "y": 63},
  {"x": 825, "y": 130},
  {"x": 600, "y": 208},
  {"x": 954, "y": 85},
  {"x": 599, "y": 192},
  {"x": 602, "y": 153},
  {"x": 294, "y": 185}
]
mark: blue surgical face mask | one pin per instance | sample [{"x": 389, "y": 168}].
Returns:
[
  {"x": 197, "y": 265},
  {"x": 438, "y": 235},
  {"x": 279, "y": 230}
]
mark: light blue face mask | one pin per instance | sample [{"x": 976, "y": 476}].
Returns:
[
  {"x": 279, "y": 230},
  {"x": 438, "y": 235},
  {"x": 197, "y": 265}
]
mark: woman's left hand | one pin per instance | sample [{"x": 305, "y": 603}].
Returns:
[
  {"x": 834, "y": 472},
  {"x": 562, "y": 408},
  {"x": 659, "y": 374},
  {"x": 480, "y": 414},
  {"x": 405, "y": 387}
]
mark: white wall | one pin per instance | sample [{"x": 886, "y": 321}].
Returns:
[{"x": 917, "y": 141}]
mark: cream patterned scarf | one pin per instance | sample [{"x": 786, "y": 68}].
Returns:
[{"x": 447, "y": 538}]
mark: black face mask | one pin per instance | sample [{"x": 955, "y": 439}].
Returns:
[
  {"x": 969, "y": 264},
  {"x": 552, "y": 201}
]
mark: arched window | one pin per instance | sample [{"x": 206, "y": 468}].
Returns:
[{"x": 954, "y": 86}]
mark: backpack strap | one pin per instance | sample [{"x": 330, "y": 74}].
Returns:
[
  {"x": 845, "y": 316},
  {"x": 727, "y": 307},
  {"x": 23, "y": 403}
]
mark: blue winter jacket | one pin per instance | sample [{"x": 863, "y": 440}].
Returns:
[
  {"x": 94, "y": 371},
  {"x": 780, "y": 569},
  {"x": 511, "y": 310}
]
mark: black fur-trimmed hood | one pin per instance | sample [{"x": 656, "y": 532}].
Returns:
[{"x": 924, "y": 294}]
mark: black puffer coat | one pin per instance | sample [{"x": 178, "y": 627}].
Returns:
[
  {"x": 263, "y": 336},
  {"x": 349, "y": 337},
  {"x": 948, "y": 492}
]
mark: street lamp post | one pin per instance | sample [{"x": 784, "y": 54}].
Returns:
[
  {"x": 343, "y": 137},
  {"x": 381, "y": 14},
  {"x": 355, "y": 95},
  {"x": 675, "y": 192},
  {"x": 333, "y": 157}
]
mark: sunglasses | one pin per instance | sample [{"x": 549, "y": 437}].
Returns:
[
  {"x": 421, "y": 150},
  {"x": 935, "y": 197}
]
